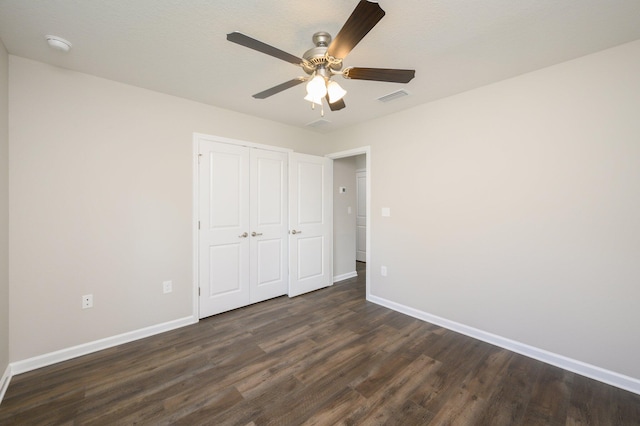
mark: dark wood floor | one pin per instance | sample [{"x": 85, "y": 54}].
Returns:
[{"x": 324, "y": 358}]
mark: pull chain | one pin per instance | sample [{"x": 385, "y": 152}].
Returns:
[{"x": 313, "y": 107}]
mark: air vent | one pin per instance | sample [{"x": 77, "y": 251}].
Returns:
[
  {"x": 321, "y": 122},
  {"x": 393, "y": 96}
]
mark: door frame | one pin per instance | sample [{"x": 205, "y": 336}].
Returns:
[
  {"x": 197, "y": 137},
  {"x": 351, "y": 153},
  {"x": 365, "y": 211}
]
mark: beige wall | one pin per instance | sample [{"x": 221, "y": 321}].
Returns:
[
  {"x": 4, "y": 209},
  {"x": 344, "y": 223},
  {"x": 101, "y": 203},
  {"x": 514, "y": 208}
]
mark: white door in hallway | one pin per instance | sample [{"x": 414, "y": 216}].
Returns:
[
  {"x": 361, "y": 215},
  {"x": 310, "y": 223},
  {"x": 242, "y": 238}
]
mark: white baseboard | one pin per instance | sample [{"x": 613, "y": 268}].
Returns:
[
  {"x": 593, "y": 372},
  {"x": 4, "y": 382},
  {"x": 40, "y": 361},
  {"x": 346, "y": 276}
]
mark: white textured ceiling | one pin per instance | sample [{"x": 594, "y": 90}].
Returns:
[{"x": 180, "y": 48}]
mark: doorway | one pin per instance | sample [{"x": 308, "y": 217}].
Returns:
[{"x": 345, "y": 196}]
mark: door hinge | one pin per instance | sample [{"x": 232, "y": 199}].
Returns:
[
  {"x": 198, "y": 291},
  {"x": 198, "y": 224}
]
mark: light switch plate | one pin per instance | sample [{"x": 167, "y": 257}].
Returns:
[{"x": 386, "y": 211}]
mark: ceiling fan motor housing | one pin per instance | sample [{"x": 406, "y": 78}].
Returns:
[{"x": 316, "y": 57}]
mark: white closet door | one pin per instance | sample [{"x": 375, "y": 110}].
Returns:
[
  {"x": 224, "y": 242},
  {"x": 269, "y": 225},
  {"x": 311, "y": 223}
]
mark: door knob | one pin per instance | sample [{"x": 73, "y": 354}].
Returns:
[
  {"x": 294, "y": 232},
  {"x": 243, "y": 235},
  {"x": 256, "y": 234}
]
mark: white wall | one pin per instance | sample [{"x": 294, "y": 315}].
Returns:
[
  {"x": 4, "y": 210},
  {"x": 515, "y": 208},
  {"x": 344, "y": 223},
  {"x": 101, "y": 203}
]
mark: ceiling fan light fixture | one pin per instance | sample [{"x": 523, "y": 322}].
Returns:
[
  {"x": 317, "y": 87},
  {"x": 313, "y": 99},
  {"x": 335, "y": 91}
]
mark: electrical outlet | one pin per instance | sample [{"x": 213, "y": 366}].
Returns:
[
  {"x": 167, "y": 286},
  {"x": 383, "y": 271},
  {"x": 87, "y": 301}
]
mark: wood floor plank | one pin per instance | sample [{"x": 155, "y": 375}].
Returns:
[
  {"x": 335, "y": 410},
  {"x": 385, "y": 403},
  {"x": 458, "y": 359},
  {"x": 507, "y": 404},
  {"x": 483, "y": 379},
  {"x": 380, "y": 375},
  {"x": 550, "y": 398},
  {"x": 589, "y": 404},
  {"x": 625, "y": 406},
  {"x": 324, "y": 358},
  {"x": 313, "y": 396}
]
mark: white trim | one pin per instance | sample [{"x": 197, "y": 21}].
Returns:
[
  {"x": 51, "y": 358},
  {"x": 195, "y": 226},
  {"x": 346, "y": 276},
  {"x": 350, "y": 153},
  {"x": 211, "y": 138},
  {"x": 594, "y": 372},
  {"x": 4, "y": 382}
]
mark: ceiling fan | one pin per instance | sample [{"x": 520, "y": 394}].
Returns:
[{"x": 325, "y": 59}]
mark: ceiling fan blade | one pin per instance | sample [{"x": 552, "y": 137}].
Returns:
[
  {"x": 252, "y": 43},
  {"x": 363, "y": 18},
  {"x": 337, "y": 105},
  {"x": 380, "y": 74},
  {"x": 279, "y": 88}
]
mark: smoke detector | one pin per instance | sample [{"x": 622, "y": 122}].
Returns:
[{"x": 58, "y": 43}]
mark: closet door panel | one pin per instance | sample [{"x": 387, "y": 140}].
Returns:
[
  {"x": 224, "y": 242},
  {"x": 269, "y": 224}
]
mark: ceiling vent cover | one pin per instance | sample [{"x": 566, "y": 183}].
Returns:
[
  {"x": 393, "y": 96},
  {"x": 321, "y": 122}
]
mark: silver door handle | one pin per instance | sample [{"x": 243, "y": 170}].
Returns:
[
  {"x": 256, "y": 234},
  {"x": 244, "y": 235},
  {"x": 294, "y": 232}
]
